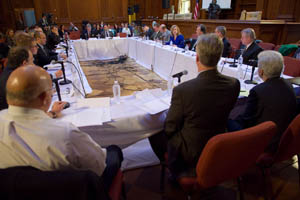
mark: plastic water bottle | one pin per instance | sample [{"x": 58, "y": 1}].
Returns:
[
  {"x": 171, "y": 43},
  {"x": 186, "y": 48},
  {"x": 117, "y": 92},
  {"x": 170, "y": 85},
  {"x": 240, "y": 60},
  {"x": 240, "y": 72}
]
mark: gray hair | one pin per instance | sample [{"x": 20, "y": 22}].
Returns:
[
  {"x": 250, "y": 32},
  {"x": 271, "y": 62},
  {"x": 222, "y": 30},
  {"x": 209, "y": 49},
  {"x": 88, "y": 26}
]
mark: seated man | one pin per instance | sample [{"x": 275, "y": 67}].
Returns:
[
  {"x": 44, "y": 56},
  {"x": 200, "y": 30},
  {"x": 251, "y": 48},
  {"x": 273, "y": 100},
  {"x": 199, "y": 107},
  {"x": 147, "y": 31},
  {"x": 156, "y": 34},
  {"x": 221, "y": 33},
  {"x": 30, "y": 137},
  {"x": 166, "y": 34},
  {"x": 106, "y": 33},
  {"x": 87, "y": 32},
  {"x": 17, "y": 57},
  {"x": 53, "y": 38}
]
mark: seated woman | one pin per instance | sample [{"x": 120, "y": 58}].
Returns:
[{"x": 176, "y": 38}]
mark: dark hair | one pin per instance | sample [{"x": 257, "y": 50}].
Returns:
[
  {"x": 17, "y": 55},
  {"x": 202, "y": 28}
]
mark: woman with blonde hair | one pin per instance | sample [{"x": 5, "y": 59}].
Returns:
[{"x": 176, "y": 38}]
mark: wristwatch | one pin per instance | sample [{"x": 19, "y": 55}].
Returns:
[{"x": 53, "y": 114}]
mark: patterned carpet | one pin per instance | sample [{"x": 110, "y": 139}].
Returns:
[
  {"x": 143, "y": 183},
  {"x": 131, "y": 77}
]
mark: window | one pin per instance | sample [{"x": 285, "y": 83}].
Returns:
[{"x": 184, "y": 6}]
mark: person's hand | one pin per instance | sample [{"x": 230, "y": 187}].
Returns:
[
  {"x": 57, "y": 107},
  {"x": 58, "y": 73},
  {"x": 63, "y": 56}
]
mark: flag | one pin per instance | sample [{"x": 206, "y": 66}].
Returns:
[{"x": 196, "y": 9}]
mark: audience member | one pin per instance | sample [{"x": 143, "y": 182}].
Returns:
[
  {"x": 97, "y": 31},
  {"x": 199, "y": 109},
  {"x": 18, "y": 56},
  {"x": 126, "y": 30},
  {"x": 53, "y": 38},
  {"x": 4, "y": 49},
  {"x": 166, "y": 34},
  {"x": 221, "y": 33},
  {"x": 147, "y": 31},
  {"x": 200, "y": 30},
  {"x": 176, "y": 38},
  {"x": 10, "y": 38},
  {"x": 273, "y": 100},
  {"x": 50, "y": 144},
  {"x": 61, "y": 31},
  {"x": 43, "y": 21},
  {"x": 251, "y": 48},
  {"x": 44, "y": 56},
  {"x": 106, "y": 33},
  {"x": 87, "y": 33},
  {"x": 156, "y": 34}
]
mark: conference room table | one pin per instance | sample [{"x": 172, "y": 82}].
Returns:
[{"x": 130, "y": 126}]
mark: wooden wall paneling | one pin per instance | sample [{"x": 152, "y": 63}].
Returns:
[
  {"x": 287, "y": 10},
  {"x": 7, "y": 19},
  {"x": 62, "y": 11},
  {"x": 83, "y": 10}
]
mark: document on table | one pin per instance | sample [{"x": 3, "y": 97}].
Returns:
[{"x": 88, "y": 112}]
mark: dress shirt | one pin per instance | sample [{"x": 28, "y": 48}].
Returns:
[
  {"x": 126, "y": 30},
  {"x": 31, "y": 137}
]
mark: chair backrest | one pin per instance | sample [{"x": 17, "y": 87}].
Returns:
[
  {"x": 292, "y": 66},
  {"x": 235, "y": 45},
  {"x": 227, "y": 156},
  {"x": 31, "y": 183},
  {"x": 266, "y": 46},
  {"x": 290, "y": 141},
  {"x": 277, "y": 47},
  {"x": 74, "y": 35},
  {"x": 123, "y": 35}
]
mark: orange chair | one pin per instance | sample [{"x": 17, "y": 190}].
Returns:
[
  {"x": 289, "y": 146},
  {"x": 292, "y": 66},
  {"x": 117, "y": 187},
  {"x": 123, "y": 35},
  {"x": 266, "y": 46},
  {"x": 74, "y": 35},
  {"x": 227, "y": 156}
]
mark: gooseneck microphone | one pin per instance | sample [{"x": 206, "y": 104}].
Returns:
[
  {"x": 65, "y": 81},
  {"x": 254, "y": 64},
  {"x": 180, "y": 74}
]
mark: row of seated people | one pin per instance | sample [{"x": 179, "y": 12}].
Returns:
[{"x": 40, "y": 140}]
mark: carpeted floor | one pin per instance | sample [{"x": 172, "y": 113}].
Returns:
[{"x": 144, "y": 183}]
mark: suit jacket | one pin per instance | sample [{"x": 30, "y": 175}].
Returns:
[
  {"x": 44, "y": 56},
  {"x": 52, "y": 41},
  {"x": 274, "y": 100},
  {"x": 199, "y": 110},
  {"x": 4, "y": 49},
  {"x": 251, "y": 53},
  {"x": 149, "y": 33},
  {"x": 104, "y": 34},
  {"x": 3, "y": 79},
  {"x": 227, "y": 48},
  {"x": 156, "y": 36},
  {"x": 85, "y": 35}
]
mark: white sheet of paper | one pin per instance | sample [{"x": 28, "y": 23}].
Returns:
[
  {"x": 85, "y": 117},
  {"x": 154, "y": 107},
  {"x": 94, "y": 102},
  {"x": 167, "y": 100}
]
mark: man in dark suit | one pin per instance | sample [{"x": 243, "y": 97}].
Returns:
[
  {"x": 106, "y": 33},
  {"x": 200, "y": 30},
  {"x": 53, "y": 38},
  {"x": 148, "y": 32},
  {"x": 251, "y": 47},
  {"x": 17, "y": 57},
  {"x": 273, "y": 100},
  {"x": 43, "y": 21},
  {"x": 199, "y": 107},
  {"x": 44, "y": 56},
  {"x": 87, "y": 32},
  {"x": 157, "y": 35},
  {"x": 221, "y": 33}
]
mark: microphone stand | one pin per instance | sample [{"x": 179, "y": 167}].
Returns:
[
  {"x": 65, "y": 81},
  {"x": 254, "y": 63},
  {"x": 55, "y": 80}
]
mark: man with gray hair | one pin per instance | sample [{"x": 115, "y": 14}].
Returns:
[
  {"x": 273, "y": 100},
  {"x": 251, "y": 48},
  {"x": 199, "y": 107},
  {"x": 221, "y": 33}
]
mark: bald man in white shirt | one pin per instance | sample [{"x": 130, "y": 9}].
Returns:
[{"x": 29, "y": 136}]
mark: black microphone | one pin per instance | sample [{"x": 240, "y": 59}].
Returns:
[
  {"x": 65, "y": 81},
  {"x": 254, "y": 64},
  {"x": 55, "y": 81},
  {"x": 179, "y": 75}
]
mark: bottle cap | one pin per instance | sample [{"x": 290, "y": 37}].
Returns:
[{"x": 116, "y": 82}]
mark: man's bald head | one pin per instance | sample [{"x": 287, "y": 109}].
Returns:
[{"x": 29, "y": 86}]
